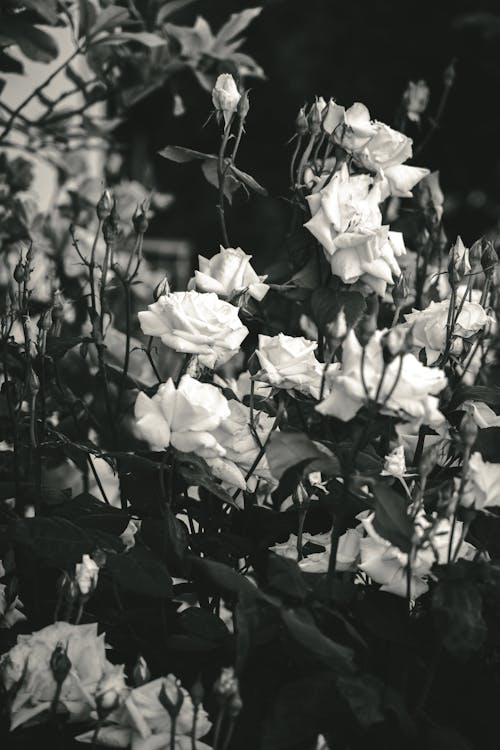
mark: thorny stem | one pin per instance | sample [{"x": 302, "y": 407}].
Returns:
[
  {"x": 221, "y": 175},
  {"x": 281, "y": 410},
  {"x": 461, "y": 489},
  {"x": 436, "y": 121}
]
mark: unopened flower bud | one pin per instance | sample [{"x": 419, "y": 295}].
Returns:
[
  {"x": 489, "y": 259},
  {"x": 86, "y": 575},
  {"x": 19, "y": 273},
  {"x": 449, "y": 75},
  {"x": 104, "y": 205},
  {"x": 110, "y": 690},
  {"x": 458, "y": 262},
  {"x": 476, "y": 251},
  {"x": 110, "y": 226},
  {"x": 301, "y": 124},
  {"x": 337, "y": 329},
  {"x": 393, "y": 343},
  {"x": 416, "y": 99},
  {"x": 226, "y": 97},
  {"x": 400, "y": 290},
  {"x": 45, "y": 321},
  {"x": 197, "y": 692},
  {"x": 300, "y": 496},
  {"x": 244, "y": 106},
  {"x": 227, "y": 691},
  {"x": 428, "y": 461},
  {"x": 141, "y": 672},
  {"x": 140, "y": 219},
  {"x": 366, "y": 328},
  {"x": 60, "y": 664},
  {"x": 162, "y": 289},
  {"x": 468, "y": 430},
  {"x": 315, "y": 116},
  {"x": 173, "y": 708},
  {"x": 33, "y": 382}
]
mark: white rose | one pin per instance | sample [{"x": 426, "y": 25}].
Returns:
[
  {"x": 27, "y": 665},
  {"x": 483, "y": 487},
  {"x": 317, "y": 562},
  {"x": 395, "y": 465},
  {"x": 355, "y": 128},
  {"x": 408, "y": 388},
  {"x": 387, "y": 148},
  {"x": 416, "y": 98},
  {"x": 112, "y": 689},
  {"x": 229, "y": 273},
  {"x": 183, "y": 417},
  {"x": 288, "y": 362},
  {"x": 400, "y": 180},
  {"x": 429, "y": 326},
  {"x": 347, "y": 221},
  {"x": 387, "y": 564},
  {"x": 86, "y": 575},
  {"x": 11, "y": 613},
  {"x": 143, "y": 723},
  {"x": 482, "y": 414},
  {"x": 196, "y": 323},
  {"x": 241, "y": 447},
  {"x": 225, "y": 96}
]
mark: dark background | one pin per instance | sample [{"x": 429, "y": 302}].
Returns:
[{"x": 353, "y": 50}]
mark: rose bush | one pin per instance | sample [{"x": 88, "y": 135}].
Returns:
[{"x": 277, "y": 491}]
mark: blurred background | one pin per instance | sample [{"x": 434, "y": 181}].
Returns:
[
  {"x": 361, "y": 50},
  {"x": 354, "y": 51}
]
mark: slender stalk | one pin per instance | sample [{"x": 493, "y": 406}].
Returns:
[{"x": 221, "y": 175}]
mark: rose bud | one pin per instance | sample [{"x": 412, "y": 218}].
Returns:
[
  {"x": 301, "y": 125},
  {"x": 226, "y": 97},
  {"x": 104, "y": 205},
  {"x": 60, "y": 664},
  {"x": 140, "y": 673}
]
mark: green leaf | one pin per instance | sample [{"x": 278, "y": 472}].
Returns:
[
  {"x": 391, "y": 518},
  {"x": 364, "y": 695},
  {"x": 60, "y": 541},
  {"x": 248, "y": 180},
  {"x": 168, "y": 539},
  {"x": 326, "y": 304},
  {"x": 182, "y": 155},
  {"x": 457, "y": 610},
  {"x": 203, "y": 624},
  {"x": 284, "y": 577},
  {"x": 138, "y": 570},
  {"x": 33, "y": 41},
  {"x": 46, "y": 9},
  {"x": 88, "y": 512},
  {"x": 195, "y": 471},
  {"x": 487, "y": 394},
  {"x": 237, "y": 23},
  {"x": 144, "y": 38},
  {"x": 287, "y": 449},
  {"x": 169, "y": 8},
  {"x": 57, "y": 346},
  {"x": 87, "y": 15},
  {"x": 300, "y": 711},
  {"x": 488, "y": 444},
  {"x": 108, "y": 19},
  {"x": 309, "y": 636},
  {"x": 220, "y": 577}
]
